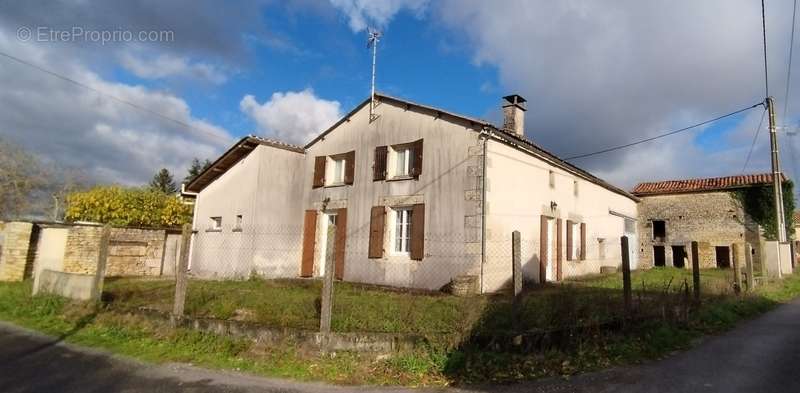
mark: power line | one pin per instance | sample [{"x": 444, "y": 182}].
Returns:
[
  {"x": 788, "y": 83},
  {"x": 764, "y": 34},
  {"x": 664, "y": 134},
  {"x": 753, "y": 144},
  {"x": 114, "y": 98}
]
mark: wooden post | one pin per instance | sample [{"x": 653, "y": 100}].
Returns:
[
  {"x": 626, "y": 274},
  {"x": 326, "y": 305},
  {"x": 516, "y": 256},
  {"x": 516, "y": 261},
  {"x": 749, "y": 258},
  {"x": 696, "y": 271},
  {"x": 737, "y": 272},
  {"x": 102, "y": 261},
  {"x": 181, "y": 280}
]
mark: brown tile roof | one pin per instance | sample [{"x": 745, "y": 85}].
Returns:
[{"x": 702, "y": 185}]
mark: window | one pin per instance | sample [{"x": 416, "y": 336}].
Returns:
[
  {"x": 575, "y": 187},
  {"x": 337, "y": 171},
  {"x": 576, "y": 241},
  {"x": 238, "y": 226},
  {"x": 216, "y": 223},
  {"x": 403, "y": 161},
  {"x": 552, "y": 179},
  {"x": 402, "y": 230},
  {"x": 659, "y": 230}
]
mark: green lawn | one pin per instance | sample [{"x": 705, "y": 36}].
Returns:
[
  {"x": 360, "y": 308},
  {"x": 286, "y": 303}
]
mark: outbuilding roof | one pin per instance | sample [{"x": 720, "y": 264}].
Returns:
[
  {"x": 684, "y": 186},
  {"x": 228, "y": 159}
]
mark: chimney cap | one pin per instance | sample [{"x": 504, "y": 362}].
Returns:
[{"x": 516, "y": 99}]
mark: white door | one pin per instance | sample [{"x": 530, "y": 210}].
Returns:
[
  {"x": 633, "y": 242},
  {"x": 548, "y": 272},
  {"x": 326, "y": 240}
]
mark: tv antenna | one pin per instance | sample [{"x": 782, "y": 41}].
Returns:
[{"x": 373, "y": 36}]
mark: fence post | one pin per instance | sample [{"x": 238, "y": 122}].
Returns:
[
  {"x": 696, "y": 271},
  {"x": 516, "y": 255},
  {"x": 181, "y": 281},
  {"x": 737, "y": 272},
  {"x": 749, "y": 258},
  {"x": 626, "y": 273},
  {"x": 326, "y": 306},
  {"x": 102, "y": 261},
  {"x": 516, "y": 271}
]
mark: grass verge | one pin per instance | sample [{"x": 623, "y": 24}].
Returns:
[{"x": 102, "y": 325}]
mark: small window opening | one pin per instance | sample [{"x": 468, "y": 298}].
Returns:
[
  {"x": 552, "y": 179},
  {"x": 659, "y": 230},
  {"x": 216, "y": 223}
]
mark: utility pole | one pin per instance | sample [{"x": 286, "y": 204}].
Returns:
[{"x": 777, "y": 186}]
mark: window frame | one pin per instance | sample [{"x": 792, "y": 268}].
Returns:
[
  {"x": 335, "y": 175},
  {"x": 576, "y": 241},
  {"x": 405, "y": 150},
  {"x": 216, "y": 224},
  {"x": 401, "y": 231}
]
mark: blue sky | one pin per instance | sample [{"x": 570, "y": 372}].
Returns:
[{"x": 596, "y": 74}]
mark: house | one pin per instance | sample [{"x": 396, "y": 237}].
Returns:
[
  {"x": 674, "y": 213},
  {"x": 408, "y": 196}
]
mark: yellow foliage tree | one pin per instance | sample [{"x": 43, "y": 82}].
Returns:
[{"x": 122, "y": 206}]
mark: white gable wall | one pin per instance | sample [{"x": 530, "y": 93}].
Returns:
[{"x": 440, "y": 187}]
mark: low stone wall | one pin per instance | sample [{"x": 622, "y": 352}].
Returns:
[
  {"x": 71, "y": 285},
  {"x": 381, "y": 343},
  {"x": 15, "y": 251}
]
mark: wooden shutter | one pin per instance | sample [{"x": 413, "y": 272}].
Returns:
[
  {"x": 376, "y": 230},
  {"x": 583, "y": 241},
  {"x": 309, "y": 238},
  {"x": 559, "y": 247},
  {"x": 379, "y": 169},
  {"x": 340, "y": 243},
  {"x": 543, "y": 249},
  {"x": 319, "y": 171},
  {"x": 416, "y": 170},
  {"x": 569, "y": 240},
  {"x": 349, "y": 167},
  {"x": 418, "y": 232}
]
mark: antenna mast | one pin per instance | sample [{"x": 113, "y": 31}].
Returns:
[{"x": 372, "y": 41}]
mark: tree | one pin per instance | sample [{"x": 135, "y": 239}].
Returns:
[
  {"x": 128, "y": 207},
  {"x": 195, "y": 169},
  {"x": 20, "y": 178},
  {"x": 163, "y": 181}
]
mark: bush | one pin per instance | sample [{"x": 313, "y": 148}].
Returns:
[{"x": 122, "y": 206}]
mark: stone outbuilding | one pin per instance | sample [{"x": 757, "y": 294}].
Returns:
[{"x": 674, "y": 213}]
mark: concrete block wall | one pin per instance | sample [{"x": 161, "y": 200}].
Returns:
[{"x": 15, "y": 255}]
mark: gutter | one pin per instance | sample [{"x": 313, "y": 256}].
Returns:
[{"x": 486, "y": 137}]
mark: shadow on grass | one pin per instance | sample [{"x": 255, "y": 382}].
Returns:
[{"x": 578, "y": 326}]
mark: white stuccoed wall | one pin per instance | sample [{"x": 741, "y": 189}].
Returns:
[{"x": 519, "y": 193}]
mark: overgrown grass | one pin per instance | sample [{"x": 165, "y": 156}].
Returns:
[{"x": 289, "y": 303}]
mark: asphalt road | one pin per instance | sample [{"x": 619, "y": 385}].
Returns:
[{"x": 762, "y": 355}]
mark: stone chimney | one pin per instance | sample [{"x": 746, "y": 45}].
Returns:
[{"x": 514, "y": 114}]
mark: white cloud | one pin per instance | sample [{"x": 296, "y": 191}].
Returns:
[
  {"x": 165, "y": 65},
  {"x": 376, "y": 13},
  {"x": 77, "y": 128},
  {"x": 600, "y": 74},
  {"x": 292, "y": 116}
]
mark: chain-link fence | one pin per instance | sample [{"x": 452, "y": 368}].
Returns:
[{"x": 252, "y": 275}]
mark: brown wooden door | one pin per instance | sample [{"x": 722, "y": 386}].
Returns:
[
  {"x": 340, "y": 243},
  {"x": 309, "y": 238}
]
